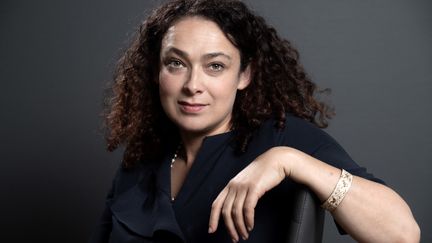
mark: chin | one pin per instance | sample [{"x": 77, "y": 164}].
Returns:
[
  {"x": 193, "y": 128},
  {"x": 197, "y": 127}
]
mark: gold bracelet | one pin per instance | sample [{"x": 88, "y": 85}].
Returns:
[{"x": 339, "y": 192}]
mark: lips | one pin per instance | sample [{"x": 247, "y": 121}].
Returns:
[{"x": 191, "y": 107}]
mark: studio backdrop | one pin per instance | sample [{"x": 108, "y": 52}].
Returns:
[{"x": 57, "y": 58}]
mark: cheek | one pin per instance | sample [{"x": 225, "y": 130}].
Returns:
[
  {"x": 167, "y": 92},
  {"x": 225, "y": 90},
  {"x": 167, "y": 85}
]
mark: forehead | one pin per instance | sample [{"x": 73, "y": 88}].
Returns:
[{"x": 196, "y": 35}]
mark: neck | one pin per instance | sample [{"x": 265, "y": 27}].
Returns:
[
  {"x": 191, "y": 146},
  {"x": 192, "y": 141}
]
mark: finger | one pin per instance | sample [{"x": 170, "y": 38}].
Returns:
[
  {"x": 237, "y": 214},
  {"x": 216, "y": 210},
  {"x": 249, "y": 208},
  {"x": 226, "y": 213}
]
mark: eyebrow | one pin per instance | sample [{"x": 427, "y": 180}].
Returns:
[
  {"x": 206, "y": 56},
  {"x": 216, "y": 54}
]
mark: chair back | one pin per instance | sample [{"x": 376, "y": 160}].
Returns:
[{"x": 307, "y": 218}]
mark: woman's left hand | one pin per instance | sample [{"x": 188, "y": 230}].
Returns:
[{"x": 238, "y": 199}]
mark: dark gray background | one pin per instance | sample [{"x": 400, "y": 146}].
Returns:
[{"x": 57, "y": 56}]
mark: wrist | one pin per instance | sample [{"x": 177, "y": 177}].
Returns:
[
  {"x": 305, "y": 169},
  {"x": 287, "y": 160}
]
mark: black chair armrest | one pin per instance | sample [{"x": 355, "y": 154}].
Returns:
[{"x": 307, "y": 218}]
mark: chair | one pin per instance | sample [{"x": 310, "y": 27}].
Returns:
[{"x": 307, "y": 218}]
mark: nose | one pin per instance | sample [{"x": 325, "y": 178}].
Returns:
[{"x": 194, "y": 82}]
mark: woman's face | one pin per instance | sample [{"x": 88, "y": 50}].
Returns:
[{"x": 199, "y": 76}]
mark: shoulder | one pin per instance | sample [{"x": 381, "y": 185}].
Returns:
[
  {"x": 305, "y": 136},
  {"x": 126, "y": 178},
  {"x": 309, "y": 138},
  {"x": 297, "y": 133}
]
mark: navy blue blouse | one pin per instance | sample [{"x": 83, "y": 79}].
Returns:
[{"x": 139, "y": 209}]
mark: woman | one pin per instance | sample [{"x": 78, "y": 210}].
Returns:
[{"x": 221, "y": 125}]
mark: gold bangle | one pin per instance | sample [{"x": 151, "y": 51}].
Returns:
[{"x": 339, "y": 192}]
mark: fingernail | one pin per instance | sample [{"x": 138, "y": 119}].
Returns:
[
  {"x": 233, "y": 240},
  {"x": 210, "y": 230},
  {"x": 249, "y": 228}
]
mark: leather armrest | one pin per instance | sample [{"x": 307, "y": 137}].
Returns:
[{"x": 307, "y": 221}]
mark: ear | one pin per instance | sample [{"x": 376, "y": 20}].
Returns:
[{"x": 245, "y": 78}]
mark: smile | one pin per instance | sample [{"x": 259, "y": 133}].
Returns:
[{"x": 191, "y": 107}]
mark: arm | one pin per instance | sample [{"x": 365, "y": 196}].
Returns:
[
  {"x": 370, "y": 212},
  {"x": 103, "y": 230}
]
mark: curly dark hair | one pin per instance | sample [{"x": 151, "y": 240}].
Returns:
[{"x": 134, "y": 115}]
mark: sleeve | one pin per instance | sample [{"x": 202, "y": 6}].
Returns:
[
  {"x": 312, "y": 140},
  {"x": 102, "y": 231},
  {"x": 333, "y": 154},
  {"x": 309, "y": 138}
]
